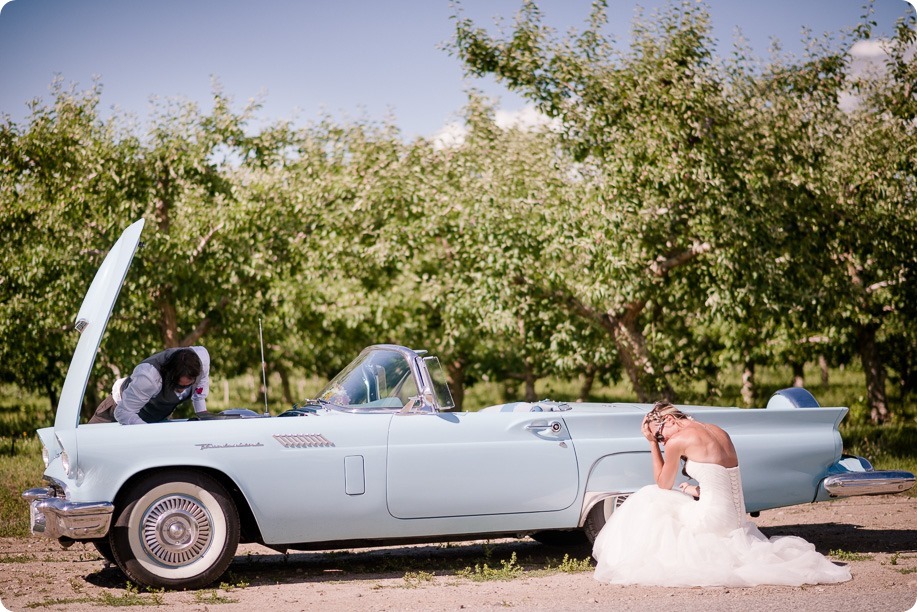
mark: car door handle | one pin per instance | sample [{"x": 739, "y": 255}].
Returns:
[{"x": 554, "y": 426}]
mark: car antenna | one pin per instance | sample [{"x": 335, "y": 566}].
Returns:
[{"x": 263, "y": 366}]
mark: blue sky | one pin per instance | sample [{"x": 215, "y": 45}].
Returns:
[{"x": 348, "y": 58}]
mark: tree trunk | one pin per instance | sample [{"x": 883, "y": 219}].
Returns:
[
  {"x": 823, "y": 367},
  {"x": 623, "y": 327},
  {"x": 749, "y": 390},
  {"x": 47, "y": 381},
  {"x": 285, "y": 388},
  {"x": 875, "y": 373},
  {"x": 648, "y": 383},
  {"x": 588, "y": 380},
  {"x": 713, "y": 387},
  {"x": 168, "y": 318},
  {"x": 455, "y": 376},
  {"x": 530, "y": 380},
  {"x": 799, "y": 378},
  {"x": 510, "y": 389},
  {"x": 51, "y": 393}
]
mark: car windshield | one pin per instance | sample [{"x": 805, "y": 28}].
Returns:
[{"x": 378, "y": 379}]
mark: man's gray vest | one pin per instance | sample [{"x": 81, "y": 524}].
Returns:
[{"x": 163, "y": 403}]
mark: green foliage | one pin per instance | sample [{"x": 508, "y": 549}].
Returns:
[
  {"x": 18, "y": 472},
  {"x": 211, "y": 596},
  {"x": 876, "y": 443},
  {"x": 233, "y": 582},
  {"x": 724, "y": 185},
  {"x": 844, "y": 555},
  {"x": 508, "y": 570},
  {"x": 572, "y": 565},
  {"x": 132, "y": 596},
  {"x": 412, "y": 580}
]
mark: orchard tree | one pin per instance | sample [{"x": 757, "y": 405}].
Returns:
[
  {"x": 654, "y": 123},
  {"x": 66, "y": 188},
  {"x": 706, "y": 237},
  {"x": 872, "y": 255},
  {"x": 74, "y": 182}
]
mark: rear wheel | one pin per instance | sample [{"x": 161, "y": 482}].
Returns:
[
  {"x": 599, "y": 515},
  {"x": 177, "y": 529}
]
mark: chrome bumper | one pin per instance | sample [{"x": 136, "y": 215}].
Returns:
[
  {"x": 55, "y": 517},
  {"x": 855, "y": 476}
]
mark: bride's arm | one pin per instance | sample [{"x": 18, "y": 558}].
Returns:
[{"x": 664, "y": 470}]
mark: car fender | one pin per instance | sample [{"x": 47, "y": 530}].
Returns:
[{"x": 615, "y": 474}]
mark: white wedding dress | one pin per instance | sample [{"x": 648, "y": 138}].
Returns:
[{"x": 666, "y": 538}]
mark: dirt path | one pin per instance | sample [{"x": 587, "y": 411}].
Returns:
[{"x": 878, "y": 537}]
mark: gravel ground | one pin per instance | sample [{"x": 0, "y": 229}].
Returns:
[{"x": 877, "y": 537}]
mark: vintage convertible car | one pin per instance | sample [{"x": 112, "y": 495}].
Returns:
[{"x": 378, "y": 458}]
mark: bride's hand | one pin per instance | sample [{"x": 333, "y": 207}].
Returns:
[
  {"x": 646, "y": 431},
  {"x": 692, "y": 490}
]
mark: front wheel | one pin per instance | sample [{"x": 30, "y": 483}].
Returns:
[
  {"x": 103, "y": 546},
  {"x": 177, "y": 529}
]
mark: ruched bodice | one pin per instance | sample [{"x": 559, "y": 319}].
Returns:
[
  {"x": 722, "y": 501},
  {"x": 666, "y": 538}
]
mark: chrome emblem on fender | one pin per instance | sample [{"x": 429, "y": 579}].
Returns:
[
  {"x": 303, "y": 440},
  {"x": 230, "y": 445}
]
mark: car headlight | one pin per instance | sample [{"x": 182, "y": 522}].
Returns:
[
  {"x": 65, "y": 462},
  {"x": 68, "y": 462},
  {"x": 45, "y": 455}
]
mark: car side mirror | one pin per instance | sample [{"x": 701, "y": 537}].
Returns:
[{"x": 420, "y": 403}]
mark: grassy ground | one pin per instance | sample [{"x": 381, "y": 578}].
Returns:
[{"x": 18, "y": 472}]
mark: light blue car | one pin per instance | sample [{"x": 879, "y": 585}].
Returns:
[{"x": 378, "y": 458}]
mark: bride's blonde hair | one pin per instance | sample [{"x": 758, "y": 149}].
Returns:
[
  {"x": 663, "y": 409},
  {"x": 660, "y": 411}
]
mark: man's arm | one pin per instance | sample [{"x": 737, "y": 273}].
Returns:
[
  {"x": 202, "y": 384},
  {"x": 145, "y": 383}
]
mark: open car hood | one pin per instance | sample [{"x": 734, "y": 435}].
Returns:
[{"x": 91, "y": 321}]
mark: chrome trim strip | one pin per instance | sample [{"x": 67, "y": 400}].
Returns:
[
  {"x": 868, "y": 483},
  {"x": 59, "y": 518},
  {"x": 39, "y": 493}
]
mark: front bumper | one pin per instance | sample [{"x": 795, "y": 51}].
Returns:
[
  {"x": 55, "y": 517},
  {"x": 856, "y": 476}
]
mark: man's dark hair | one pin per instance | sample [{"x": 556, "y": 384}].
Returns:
[{"x": 183, "y": 362}]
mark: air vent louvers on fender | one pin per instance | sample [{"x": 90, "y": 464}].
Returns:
[{"x": 303, "y": 440}]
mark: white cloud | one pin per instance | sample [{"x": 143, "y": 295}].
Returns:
[
  {"x": 868, "y": 57},
  {"x": 868, "y": 49},
  {"x": 525, "y": 118},
  {"x": 449, "y": 136}
]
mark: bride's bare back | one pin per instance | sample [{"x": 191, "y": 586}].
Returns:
[{"x": 705, "y": 443}]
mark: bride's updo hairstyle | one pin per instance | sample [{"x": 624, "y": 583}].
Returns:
[{"x": 663, "y": 409}]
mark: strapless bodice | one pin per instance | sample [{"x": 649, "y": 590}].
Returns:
[{"x": 721, "y": 491}]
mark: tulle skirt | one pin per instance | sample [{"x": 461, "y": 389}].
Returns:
[{"x": 666, "y": 538}]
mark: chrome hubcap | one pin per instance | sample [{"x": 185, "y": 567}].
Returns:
[{"x": 176, "y": 530}]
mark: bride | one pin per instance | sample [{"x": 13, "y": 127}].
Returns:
[{"x": 698, "y": 536}]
